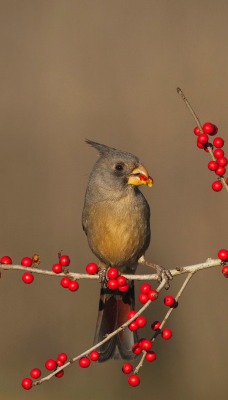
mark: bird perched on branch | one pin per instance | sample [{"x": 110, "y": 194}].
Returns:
[{"x": 116, "y": 220}]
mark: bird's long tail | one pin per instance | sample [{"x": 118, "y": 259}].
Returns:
[{"x": 113, "y": 312}]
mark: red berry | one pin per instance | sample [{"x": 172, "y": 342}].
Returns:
[
  {"x": 57, "y": 268},
  {"x": 59, "y": 374},
  {"x": 64, "y": 261},
  {"x": 84, "y": 362},
  {"x": 141, "y": 321},
  {"x": 142, "y": 178},
  {"x": 225, "y": 271},
  {"x": 35, "y": 373},
  {"x": 65, "y": 282},
  {"x": 92, "y": 269},
  {"x": 124, "y": 288},
  {"x": 217, "y": 186},
  {"x": 59, "y": 363},
  {"x": 143, "y": 298},
  {"x": 131, "y": 314},
  {"x": 51, "y": 364},
  {"x": 210, "y": 128},
  {"x": 223, "y": 255},
  {"x": 127, "y": 368},
  {"x": 220, "y": 171},
  {"x": 94, "y": 355},
  {"x": 218, "y": 142},
  {"x": 212, "y": 165},
  {"x": 73, "y": 286},
  {"x": 27, "y": 277},
  {"x": 145, "y": 288},
  {"x": 197, "y": 130},
  {"x": 62, "y": 357},
  {"x": 26, "y": 262},
  {"x": 134, "y": 380},
  {"x": 200, "y": 146},
  {"x": 121, "y": 280},
  {"x": 133, "y": 326},
  {"x": 151, "y": 356},
  {"x": 26, "y": 383},
  {"x": 145, "y": 344},
  {"x": 218, "y": 153},
  {"x": 202, "y": 138},
  {"x": 112, "y": 284},
  {"x": 169, "y": 301},
  {"x": 112, "y": 273},
  {"x": 222, "y": 161},
  {"x": 136, "y": 349},
  {"x": 5, "y": 260},
  {"x": 153, "y": 295},
  {"x": 167, "y": 334},
  {"x": 155, "y": 325}
]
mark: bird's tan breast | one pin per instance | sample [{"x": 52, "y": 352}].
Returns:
[{"x": 117, "y": 231}]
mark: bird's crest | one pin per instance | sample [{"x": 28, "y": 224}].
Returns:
[{"x": 101, "y": 148}]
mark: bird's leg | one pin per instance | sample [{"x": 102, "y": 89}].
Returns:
[
  {"x": 102, "y": 275},
  {"x": 162, "y": 272}
]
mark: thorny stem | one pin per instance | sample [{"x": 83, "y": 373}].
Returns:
[
  {"x": 169, "y": 312},
  {"x": 196, "y": 118}
]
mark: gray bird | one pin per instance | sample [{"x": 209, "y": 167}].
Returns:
[{"x": 116, "y": 220}]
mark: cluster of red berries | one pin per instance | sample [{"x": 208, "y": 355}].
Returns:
[
  {"x": 142, "y": 345},
  {"x": 146, "y": 346},
  {"x": 223, "y": 256},
  {"x": 85, "y": 362},
  {"x": 220, "y": 161},
  {"x": 50, "y": 365},
  {"x": 58, "y": 268},
  {"x": 139, "y": 322},
  {"x": 147, "y": 293},
  {"x": 116, "y": 281}
]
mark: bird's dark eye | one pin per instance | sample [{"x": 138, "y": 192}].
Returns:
[{"x": 119, "y": 167}]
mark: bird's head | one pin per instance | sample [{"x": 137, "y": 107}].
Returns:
[{"x": 116, "y": 169}]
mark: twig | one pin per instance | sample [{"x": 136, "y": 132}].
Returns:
[{"x": 188, "y": 105}]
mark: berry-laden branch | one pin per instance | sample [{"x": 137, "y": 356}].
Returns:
[
  {"x": 74, "y": 276},
  {"x": 135, "y": 318},
  {"x": 219, "y": 161}
]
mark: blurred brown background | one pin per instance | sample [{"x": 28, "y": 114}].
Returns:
[{"x": 108, "y": 71}]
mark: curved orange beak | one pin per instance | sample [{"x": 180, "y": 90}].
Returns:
[{"x": 139, "y": 176}]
